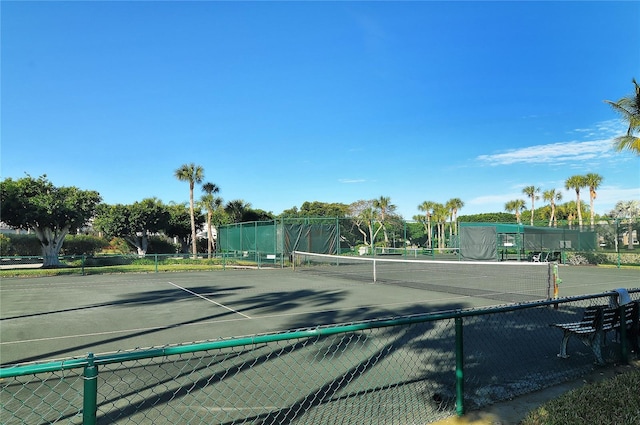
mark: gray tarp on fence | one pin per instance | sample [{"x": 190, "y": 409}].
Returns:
[{"x": 478, "y": 243}]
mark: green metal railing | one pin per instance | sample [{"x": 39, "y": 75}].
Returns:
[{"x": 411, "y": 369}]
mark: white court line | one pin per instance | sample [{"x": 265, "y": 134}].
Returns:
[
  {"x": 122, "y": 331},
  {"x": 209, "y": 322},
  {"x": 211, "y": 301}
]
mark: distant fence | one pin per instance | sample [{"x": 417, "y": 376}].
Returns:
[{"x": 412, "y": 369}]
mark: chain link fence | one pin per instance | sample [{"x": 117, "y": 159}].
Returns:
[{"x": 406, "y": 370}]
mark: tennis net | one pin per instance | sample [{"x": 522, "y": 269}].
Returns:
[{"x": 502, "y": 281}]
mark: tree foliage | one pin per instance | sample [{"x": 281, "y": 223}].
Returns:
[
  {"x": 50, "y": 211},
  {"x": 628, "y": 212},
  {"x": 516, "y": 205},
  {"x": 133, "y": 222},
  {"x": 496, "y": 217},
  {"x": 629, "y": 109},
  {"x": 192, "y": 174},
  {"x": 318, "y": 209},
  {"x": 210, "y": 203}
]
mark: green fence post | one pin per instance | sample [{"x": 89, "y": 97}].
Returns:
[
  {"x": 459, "y": 368},
  {"x": 90, "y": 398},
  {"x": 82, "y": 264},
  {"x": 624, "y": 347},
  {"x": 156, "y": 261}
]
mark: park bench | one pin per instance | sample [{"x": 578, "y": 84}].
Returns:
[
  {"x": 631, "y": 322},
  {"x": 596, "y": 322}
]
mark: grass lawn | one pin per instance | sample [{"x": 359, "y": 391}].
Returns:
[{"x": 613, "y": 401}]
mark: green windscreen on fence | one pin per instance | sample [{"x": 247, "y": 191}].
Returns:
[
  {"x": 549, "y": 238},
  {"x": 492, "y": 241},
  {"x": 280, "y": 236}
]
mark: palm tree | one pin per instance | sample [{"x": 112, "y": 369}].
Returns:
[
  {"x": 427, "y": 208},
  {"x": 454, "y": 205},
  {"x": 236, "y": 209},
  {"x": 593, "y": 181},
  {"x": 440, "y": 214},
  {"x": 517, "y": 205},
  {"x": 629, "y": 108},
  {"x": 629, "y": 211},
  {"x": 210, "y": 203},
  {"x": 552, "y": 196},
  {"x": 532, "y": 193},
  {"x": 576, "y": 182},
  {"x": 193, "y": 174},
  {"x": 385, "y": 207}
]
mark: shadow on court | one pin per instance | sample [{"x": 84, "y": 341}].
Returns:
[
  {"x": 141, "y": 299},
  {"x": 272, "y": 302}
]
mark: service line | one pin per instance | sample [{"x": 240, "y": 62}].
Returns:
[{"x": 210, "y": 300}]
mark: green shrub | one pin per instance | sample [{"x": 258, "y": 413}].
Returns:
[
  {"x": 5, "y": 244},
  {"x": 109, "y": 260},
  {"x": 24, "y": 245},
  {"x": 82, "y": 245},
  {"x": 595, "y": 258},
  {"x": 160, "y": 245},
  {"x": 119, "y": 246}
]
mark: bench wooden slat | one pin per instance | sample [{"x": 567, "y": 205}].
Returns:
[{"x": 596, "y": 322}]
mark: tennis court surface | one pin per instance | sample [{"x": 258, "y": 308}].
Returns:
[
  {"x": 399, "y": 371},
  {"x": 54, "y": 317}
]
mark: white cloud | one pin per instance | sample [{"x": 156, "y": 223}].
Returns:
[
  {"x": 350, "y": 181},
  {"x": 565, "y": 152},
  {"x": 553, "y": 153}
]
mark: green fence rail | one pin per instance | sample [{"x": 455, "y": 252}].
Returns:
[{"x": 411, "y": 369}]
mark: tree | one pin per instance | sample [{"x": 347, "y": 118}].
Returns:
[
  {"x": 384, "y": 208},
  {"x": 236, "y": 209},
  {"x": 427, "y": 208},
  {"x": 629, "y": 108},
  {"x": 532, "y": 193},
  {"x": 495, "y": 217},
  {"x": 135, "y": 222},
  {"x": 50, "y": 211},
  {"x": 454, "y": 205},
  {"x": 593, "y": 181},
  {"x": 210, "y": 204},
  {"x": 552, "y": 196},
  {"x": 318, "y": 209},
  {"x": 576, "y": 183},
  {"x": 179, "y": 225},
  {"x": 364, "y": 217},
  {"x": 628, "y": 211},
  {"x": 440, "y": 215},
  {"x": 193, "y": 174},
  {"x": 516, "y": 205}
]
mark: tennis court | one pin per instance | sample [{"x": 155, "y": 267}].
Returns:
[
  {"x": 56, "y": 317},
  {"x": 398, "y": 374}
]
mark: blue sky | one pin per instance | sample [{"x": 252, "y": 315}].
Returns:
[{"x": 286, "y": 102}]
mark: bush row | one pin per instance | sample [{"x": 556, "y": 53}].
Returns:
[
  {"x": 29, "y": 245},
  {"x": 585, "y": 258}
]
